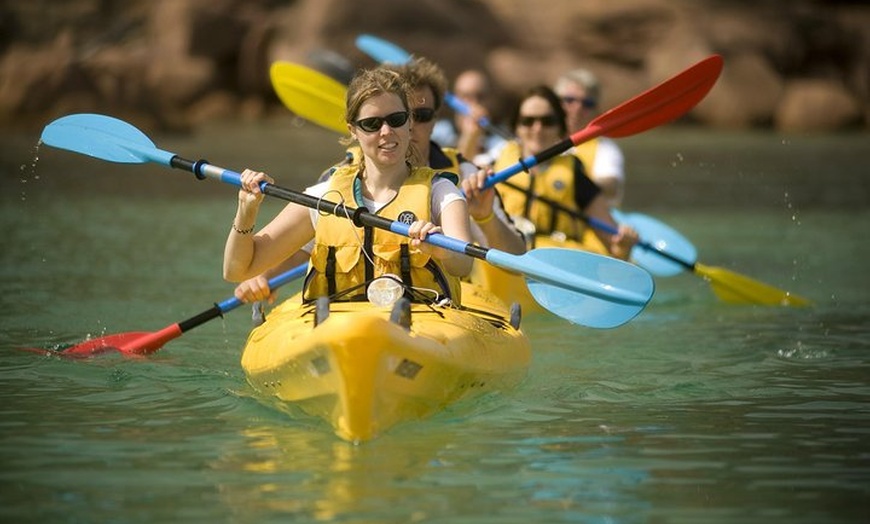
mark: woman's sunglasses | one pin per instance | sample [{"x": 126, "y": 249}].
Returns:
[
  {"x": 588, "y": 103},
  {"x": 546, "y": 120},
  {"x": 423, "y": 114},
  {"x": 375, "y": 123}
]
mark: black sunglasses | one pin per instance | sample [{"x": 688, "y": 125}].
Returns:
[
  {"x": 588, "y": 103},
  {"x": 375, "y": 123},
  {"x": 423, "y": 114},
  {"x": 546, "y": 120}
]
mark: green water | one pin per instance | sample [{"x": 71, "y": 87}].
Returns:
[{"x": 696, "y": 411}]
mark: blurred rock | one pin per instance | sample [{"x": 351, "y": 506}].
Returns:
[
  {"x": 802, "y": 65},
  {"x": 747, "y": 94},
  {"x": 816, "y": 105}
]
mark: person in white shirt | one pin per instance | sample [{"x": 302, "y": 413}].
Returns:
[{"x": 580, "y": 93}]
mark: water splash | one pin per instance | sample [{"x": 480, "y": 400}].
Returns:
[
  {"x": 800, "y": 353},
  {"x": 28, "y": 171}
]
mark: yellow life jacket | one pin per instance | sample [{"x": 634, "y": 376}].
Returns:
[
  {"x": 586, "y": 153},
  {"x": 345, "y": 258},
  {"x": 444, "y": 158},
  {"x": 555, "y": 182}
]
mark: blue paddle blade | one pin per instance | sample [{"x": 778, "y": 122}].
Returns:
[
  {"x": 584, "y": 288},
  {"x": 585, "y": 308},
  {"x": 103, "y": 137},
  {"x": 660, "y": 238},
  {"x": 382, "y": 51}
]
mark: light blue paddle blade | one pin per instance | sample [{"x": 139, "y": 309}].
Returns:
[
  {"x": 584, "y": 288},
  {"x": 664, "y": 252},
  {"x": 382, "y": 51},
  {"x": 564, "y": 278},
  {"x": 103, "y": 137}
]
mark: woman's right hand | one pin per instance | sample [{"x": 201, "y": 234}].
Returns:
[{"x": 250, "y": 192}]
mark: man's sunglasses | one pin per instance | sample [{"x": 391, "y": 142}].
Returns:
[
  {"x": 423, "y": 114},
  {"x": 375, "y": 123},
  {"x": 546, "y": 120},
  {"x": 588, "y": 103}
]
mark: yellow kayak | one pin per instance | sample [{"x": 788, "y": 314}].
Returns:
[
  {"x": 511, "y": 288},
  {"x": 363, "y": 371}
]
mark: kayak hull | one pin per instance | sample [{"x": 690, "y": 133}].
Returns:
[{"x": 364, "y": 373}]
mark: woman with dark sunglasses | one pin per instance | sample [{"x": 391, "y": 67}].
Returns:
[
  {"x": 491, "y": 226},
  {"x": 580, "y": 92},
  {"x": 345, "y": 258},
  {"x": 539, "y": 122}
]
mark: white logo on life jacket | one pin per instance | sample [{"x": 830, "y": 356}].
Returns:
[{"x": 407, "y": 217}]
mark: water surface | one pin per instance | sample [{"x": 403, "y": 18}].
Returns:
[{"x": 696, "y": 411}]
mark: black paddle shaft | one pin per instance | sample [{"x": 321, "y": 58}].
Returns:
[
  {"x": 360, "y": 216},
  {"x": 580, "y": 216}
]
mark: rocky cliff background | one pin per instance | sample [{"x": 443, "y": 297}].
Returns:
[{"x": 794, "y": 65}]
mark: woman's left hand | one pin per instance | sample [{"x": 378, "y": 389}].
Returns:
[{"x": 479, "y": 200}]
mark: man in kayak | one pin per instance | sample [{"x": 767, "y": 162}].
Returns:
[
  {"x": 464, "y": 132},
  {"x": 344, "y": 257},
  {"x": 491, "y": 226},
  {"x": 580, "y": 93}
]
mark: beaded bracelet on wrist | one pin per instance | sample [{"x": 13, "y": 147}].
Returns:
[{"x": 243, "y": 231}]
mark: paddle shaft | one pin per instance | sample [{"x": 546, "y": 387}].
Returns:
[
  {"x": 232, "y": 303},
  {"x": 462, "y": 108},
  {"x": 601, "y": 226},
  {"x": 155, "y": 340},
  {"x": 140, "y": 343},
  {"x": 359, "y": 216}
]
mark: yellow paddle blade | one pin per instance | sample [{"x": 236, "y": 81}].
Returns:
[
  {"x": 739, "y": 289},
  {"x": 310, "y": 94}
]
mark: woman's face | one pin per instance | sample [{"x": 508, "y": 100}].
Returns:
[
  {"x": 537, "y": 125},
  {"x": 384, "y": 144}
]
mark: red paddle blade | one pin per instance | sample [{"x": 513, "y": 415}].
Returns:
[
  {"x": 128, "y": 344},
  {"x": 660, "y": 104},
  {"x": 94, "y": 346}
]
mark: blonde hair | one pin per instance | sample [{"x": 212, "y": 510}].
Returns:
[{"x": 373, "y": 82}]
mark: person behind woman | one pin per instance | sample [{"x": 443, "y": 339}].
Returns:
[
  {"x": 491, "y": 226},
  {"x": 345, "y": 258},
  {"x": 580, "y": 93},
  {"x": 539, "y": 122}
]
